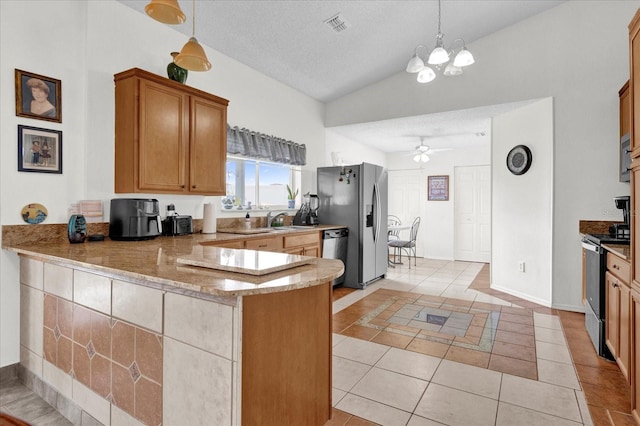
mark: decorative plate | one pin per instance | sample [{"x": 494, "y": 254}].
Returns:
[
  {"x": 34, "y": 213},
  {"x": 519, "y": 160}
]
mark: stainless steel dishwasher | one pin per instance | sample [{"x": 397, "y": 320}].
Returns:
[{"x": 334, "y": 246}]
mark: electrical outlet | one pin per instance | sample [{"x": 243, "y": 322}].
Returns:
[{"x": 521, "y": 266}]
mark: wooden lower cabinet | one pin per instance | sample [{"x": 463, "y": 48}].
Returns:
[
  {"x": 612, "y": 313},
  {"x": 624, "y": 337},
  {"x": 635, "y": 353},
  {"x": 304, "y": 244},
  {"x": 618, "y": 311},
  {"x": 264, "y": 244},
  {"x": 286, "y": 352}
]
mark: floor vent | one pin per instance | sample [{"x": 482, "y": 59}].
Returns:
[{"x": 337, "y": 23}]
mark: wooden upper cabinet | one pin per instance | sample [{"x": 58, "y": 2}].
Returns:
[
  {"x": 625, "y": 109},
  {"x": 634, "y": 84},
  {"x": 170, "y": 138},
  {"x": 208, "y": 118}
]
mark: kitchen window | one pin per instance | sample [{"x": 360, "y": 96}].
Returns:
[{"x": 261, "y": 183}]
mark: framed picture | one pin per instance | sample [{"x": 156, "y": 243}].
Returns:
[
  {"x": 38, "y": 97},
  {"x": 39, "y": 150},
  {"x": 438, "y": 188}
]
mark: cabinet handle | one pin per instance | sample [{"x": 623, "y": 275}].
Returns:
[
  {"x": 182, "y": 186},
  {"x": 262, "y": 245},
  {"x": 193, "y": 187},
  {"x": 615, "y": 266}
]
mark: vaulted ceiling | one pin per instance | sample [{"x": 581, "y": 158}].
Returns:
[{"x": 289, "y": 41}]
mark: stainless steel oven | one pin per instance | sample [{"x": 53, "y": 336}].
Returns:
[{"x": 595, "y": 288}]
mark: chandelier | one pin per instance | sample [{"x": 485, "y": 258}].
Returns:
[{"x": 440, "y": 57}]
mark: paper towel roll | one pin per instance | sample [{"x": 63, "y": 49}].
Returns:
[{"x": 209, "y": 219}]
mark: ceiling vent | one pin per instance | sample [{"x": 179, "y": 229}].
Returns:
[{"x": 337, "y": 23}]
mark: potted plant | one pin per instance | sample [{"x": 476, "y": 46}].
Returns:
[{"x": 291, "y": 196}]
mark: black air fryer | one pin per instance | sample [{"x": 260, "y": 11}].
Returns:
[{"x": 134, "y": 219}]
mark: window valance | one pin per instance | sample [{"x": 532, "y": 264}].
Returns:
[{"x": 252, "y": 144}]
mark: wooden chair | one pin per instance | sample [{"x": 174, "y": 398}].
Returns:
[{"x": 408, "y": 245}]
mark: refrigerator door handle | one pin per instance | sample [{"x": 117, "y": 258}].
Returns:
[{"x": 376, "y": 202}]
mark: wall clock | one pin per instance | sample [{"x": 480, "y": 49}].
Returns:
[{"x": 519, "y": 160}]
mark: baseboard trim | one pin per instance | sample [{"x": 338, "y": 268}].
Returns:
[
  {"x": 521, "y": 295},
  {"x": 9, "y": 372},
  {"x": 61, "y": 403}
]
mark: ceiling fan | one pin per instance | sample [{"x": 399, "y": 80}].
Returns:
[{"x": 421, "y": 152}]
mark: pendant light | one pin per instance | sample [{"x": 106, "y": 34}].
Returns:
[
  {"x": 192, "y": 56},
  {"x": 440, "y": 58},
  {"x": 166, "y": 11}
]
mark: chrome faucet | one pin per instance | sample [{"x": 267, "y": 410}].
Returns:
[{"x": 271, "y": 218}]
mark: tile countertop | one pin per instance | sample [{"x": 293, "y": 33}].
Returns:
[{"x": 153, "y": 263}]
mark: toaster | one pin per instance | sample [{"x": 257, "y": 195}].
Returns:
[{"x": 177, "y": 225}]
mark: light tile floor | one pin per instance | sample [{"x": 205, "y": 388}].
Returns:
[
  {"x": 383, "y": 384},
  {"x": 376, "y": 383}
]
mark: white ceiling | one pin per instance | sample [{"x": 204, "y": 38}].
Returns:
[
  {"x": 288, "y": 41},
  {"x": 452, "y": 130}
]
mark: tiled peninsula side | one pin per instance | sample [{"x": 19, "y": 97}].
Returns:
[{"x": 130, "y": 352}]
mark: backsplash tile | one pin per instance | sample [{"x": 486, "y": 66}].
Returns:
[
  {"x": 137, "y": 304},
  {"x": 92, "y": 291},
  {"x": 31, "y": 318},
  {"x": 58, "y": 280},
  {"x": 123, "y": 343},
  {"x": 115, "y": 360},
  {"x": 149, "y": 354},
  {"x": 31, "y": 271}
]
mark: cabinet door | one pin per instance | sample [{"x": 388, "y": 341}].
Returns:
[
  {"x": 163, "y": 138},
  {"x": 634, "y": 82},
  {"x": 635, "y": 225},
  {"x": 635, "y": 354},
  {"x": 265, "y": 244},
  {"x": 612, "y": 314},
  {"x": 208, "y": 145},
  {"x": 312, "y": 251},
  {"x": 624, "y": 328},
  {"x": 625, "y": 106}
]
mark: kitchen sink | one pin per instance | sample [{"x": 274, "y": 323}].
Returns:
[{"x": 290, "y": 228}]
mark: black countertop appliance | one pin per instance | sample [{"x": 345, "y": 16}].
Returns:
[
  {"x": 308, "y": 213},
  {"x": 134, "y": 219}
]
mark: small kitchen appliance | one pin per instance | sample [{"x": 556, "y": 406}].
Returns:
[
  {"x": 622, "y": 230},
  {"x": 175, "y": 224},
  {"x": 134, "y": 219},
  {"x": 308, "y": 213}
]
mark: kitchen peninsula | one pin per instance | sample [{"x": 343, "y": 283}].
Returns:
[{"x": 131, "y": 336}]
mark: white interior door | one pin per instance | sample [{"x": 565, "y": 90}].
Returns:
[
  {"x": 406, "y": 200},
  {"x": 472, "y": 214}
]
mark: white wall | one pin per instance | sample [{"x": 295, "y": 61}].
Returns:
[
  {"x": 84, "y": 44},
  {"x": 351, "y": 152},
  {"x": 523, "y": 205},
  {"x": 435, "y": 237},
  {"x": 549, "y": 55}
]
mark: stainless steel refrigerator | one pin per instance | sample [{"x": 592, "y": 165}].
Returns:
[{"x": 356, "y": 196}]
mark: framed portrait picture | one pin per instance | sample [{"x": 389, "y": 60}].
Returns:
[
  {"x": 438, "y": 188},
  {"x": 39, "y": 150},
  {"x": 38, "y": 96}
]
